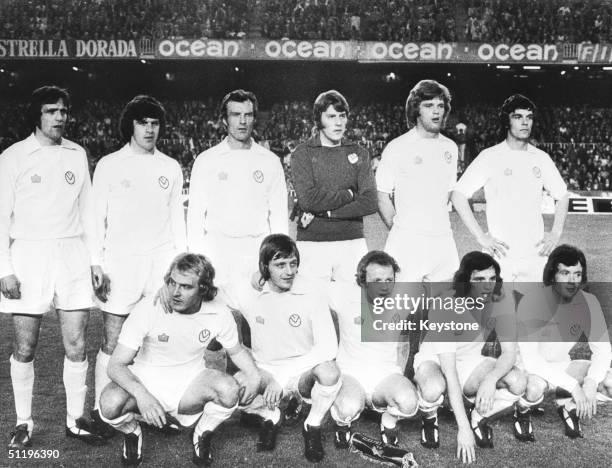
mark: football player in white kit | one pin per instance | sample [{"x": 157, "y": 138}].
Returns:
[
  {"x": 454, "y": 362},
  {"x": 237, "y": 194},
  {"x": 158, "y": 367},
  {"x": 371, "y": 374},
  {"x": 416, "y": 173},
  {"x": 580, "y": 383},
  {"x": 140, "y": 223},
  {"x": 514, "y": 174},
  {"x": 47, "y": 256},
  {"x": 293, "y": 342}
]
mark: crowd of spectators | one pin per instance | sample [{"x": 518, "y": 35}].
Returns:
[
  {"x": 544, "y": 21},
  {"x": 526, "y": 21},
  {"x": 375, "y": 20},
  {"x": 579, "y": 140},
  {"x": 123, "y": 19}
]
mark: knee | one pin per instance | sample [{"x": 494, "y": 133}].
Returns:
[
  {"x": 406, "y": 402},
  {"x": 432, "y": 390},
  {"x": 109, "y": 343},
  {"x": 112, "y": 401},
  {"x": 516, "y": 382},
  {"x": 228, "y": 392},
  {"x": 24, "y": 352},
  {"x": 534, "y": 388},
  {"x": 348, "y": 408},
  {"x": 607, "y": 384},
  {"x": 75, "y": 347},
  {"x": 327, "y": 373}
]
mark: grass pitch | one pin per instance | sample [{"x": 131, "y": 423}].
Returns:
[{"x": 235, "y": 446}]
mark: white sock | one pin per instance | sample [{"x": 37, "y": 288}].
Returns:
[
  {"x": 322, "y": 397},
  {"x": 101, "y": 376},
  {"x": 568, "y": 403},
  {"x": 75, "y": 374},
  {"x": 212, "y": 416},
  {"x": 127, "y": 423},
  {"x": 346, "y": 422},
  {"x": 22, "y": 378},
  {"x": 524, "y": 405}
]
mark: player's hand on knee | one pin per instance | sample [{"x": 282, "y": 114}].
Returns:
[
  {"x": 466, "y": 445},
  {"x": 97, "y": 276},
  {"x": 493, "y": 246},
  {"x": 272, "y": 394},
  {"x": 485, "y": 396},
  {"x": 546, "y": 245},
  {"x": 162, "y": 297},
  {"x": 151, "y": 410},
  {"x": 10, "y": 287}
]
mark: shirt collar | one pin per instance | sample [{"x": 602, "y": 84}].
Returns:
[
  {"x": 315, "y": 142},
  {"x": 297, "y": 289},
  {"x": 32, "y": 144},
  {"x": 226, "y": 147},
  {"x": 530, "y": 147},
  {"x": 128, "y": 150}
]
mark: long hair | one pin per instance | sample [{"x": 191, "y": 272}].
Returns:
[
  {"x": 141, "y": 107},
  {"x": 201, "y": 267},
  {"x": 514, "y": 102},
  {"x": 273, "y": 247},
  {"x": 568, "y": 255},
  {"x": 476, "y": 261},
  {"x": 425, "y": 90},
  {"x": 324, "y": 100},
  {"x": 41, "y": 96},
  {"x": 377, "y": 257}
]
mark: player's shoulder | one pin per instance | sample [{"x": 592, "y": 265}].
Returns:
[
  {"x": 71, "y": 145},
  {"x": 211, "y": 152},
  {"x": 217, "y": 307},
  {"x": 111, "y": 157},
  {"x": 302, "y": 150},
  {"x": 400, "y": 141},
  {"x": 537, "y": 152},
  {"x": 444, "y": 140},
  {"x": 342, "y": 293}
]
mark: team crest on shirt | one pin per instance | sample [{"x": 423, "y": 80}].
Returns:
[
  {"x": 358, "y": 320},
  {"x": 448, "y": 157},
  {"x": 258, "y": 176},
  {"x": 418, "y": 160},
  {"x": 575, "y": 329},
  {"x": 163, "y": 182},
  {"x": 125, "y": 183},
  {"x": 204, "y": 335},
  {"x": 508, "y": 172},
  {"x": 295, "y": 320},
  {"x": 259, "y": 319},
  {"x": 222, "y": 176},
  {"x": 491, "y": 323},
  {"x": 35, "y": 179},
  {"x": 70, "y": 178},
  {"x": 537, "y": 172},
  {"x": 163, "y": 338},
  {"x": 353, "y": 158}
]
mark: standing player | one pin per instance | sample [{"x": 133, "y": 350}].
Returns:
[
  {"x": 158, "y": 366},
  {"x": 513, "y": 174},
  {"x": 237, "y": 194},
  {"x": 293, "y": 341},
  {"x": 370, "y": 371},
  {"x": 416, "y": 173},
  {"x": 443, "y": 362},
  {"x": 140, "y": 220},
  {"x": 335, "y": 189},
  {"x": 46, "y": 250},
  {"x": 567, "y": 312}
]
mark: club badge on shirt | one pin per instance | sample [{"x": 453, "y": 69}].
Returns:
[
  {"x": 448, "y": 157},
  {"x": 537, "y": 172},
  {"x": 259, "y": 319},
  {"x": 163, "y": 182},
  {"x": 163, "y": 338},
  {"x": 70, "y": 178},
  {"x": 258, "y": 176},
  {"x": 295, "y": 320},
  {"x": 35, "y": 179},
  {"x": 125, "y": 183},
  {"x": 508, "y": 172},
  {"x": 222, "y": 176},
  {"x": 358, "y": 320},
  {"x": 204, "y": 335},
  {"x": 418, "y": 160},
  {"x": 353, "y": 158}
]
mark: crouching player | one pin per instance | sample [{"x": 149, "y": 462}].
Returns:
[
  {"x": 546, "y": 354},
  {"x": 371, "y": 374},
  {"x": 168, "y": 377},
  {"x": 293, "y": 343},
  {"x": 457, "y": 364}
]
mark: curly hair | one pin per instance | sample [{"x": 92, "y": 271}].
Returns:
[{"x": 201, "y": 267}]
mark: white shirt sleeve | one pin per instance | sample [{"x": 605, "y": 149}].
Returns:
[
  {"x": 474, "y": 177},
  {"x": 86, "y": 209},
  {"x": 177, "y": 212},
  {"x": 196, "y": 212},
  {"x": 136, "y": 327},
  {"x": 553, "y": 182},
  {"x": 7, "y": 203},
  {"x": 452, "y": 176},
  {"x": 385, "y": 173},
  {"x": 100, "y": 196},
  {"x": 228, "y": 332},
  {"x": 278, "y": 216},
  {"x": 599, "y": 342}
]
